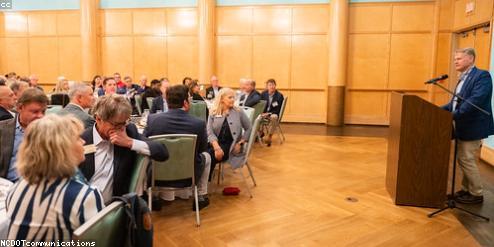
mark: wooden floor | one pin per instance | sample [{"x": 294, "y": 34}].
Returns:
[{"x": 313, "y": 190}]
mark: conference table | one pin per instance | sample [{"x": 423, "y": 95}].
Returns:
[{"x": 4, "y": 220}]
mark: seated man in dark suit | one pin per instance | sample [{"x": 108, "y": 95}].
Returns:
[
  {"x": 250, "y": 96},
  {"x": 274, "y": 100},
  {"x": 30, "y": 106},
  {"x": 81, "y": 97},
  {"x": 214, "y": 89},
  {"x": 7, "y": 102},
  {"x": 159, "y": 104},
  {"x": 115, "y": 143},
  {"x": 177, "y": 121}
]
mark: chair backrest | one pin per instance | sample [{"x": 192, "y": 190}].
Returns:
[
  {"x": 54, "y": 109},
  {"x": 249, "y": 111},
  {"x": 107, "y": 228},
  {"x": 282, "y": 110},
  {"x": 138, "y": 99},
  {"x": 180, "y": 165},
  {"x": 149, "y": 100},
  {"x": 60, "y": 99},
  {"x": 258, "y": 109},
  {"x": 253, "y": 135},
  {"x": 199, "y": 109},
  {"x": 138, "y": 173}
]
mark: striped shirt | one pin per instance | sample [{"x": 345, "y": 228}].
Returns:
[{"x": 50, "y": 210}]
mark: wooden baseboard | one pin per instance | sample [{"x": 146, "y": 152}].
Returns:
[{"x": 487, "y": 154}]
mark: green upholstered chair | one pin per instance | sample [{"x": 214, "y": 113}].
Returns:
[
  {"x": 54, "y": 109},
  {"x": 179, "y": 166},
  {"x": 249, "y": 111},
  {"x": 149, "y": 100},
  {"x": 138, "y": 99},
  {"x": 107, "y": 227},
  {"x": 199, "y": 109},
  {"x": 138, "y": 174},
  {"x": 258, "y": 109}
]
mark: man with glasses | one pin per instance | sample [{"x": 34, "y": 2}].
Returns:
[{"x": 114, "y": 145}]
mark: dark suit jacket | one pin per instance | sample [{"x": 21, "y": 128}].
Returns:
[
  {"x": 123, "y": 160},
  {"x": 253, "y": 98},
  {"x": 7, "y": 134},
  {"x": 275, "y": 104},
  {"x": 150, "y": 92},
  {"x": 210, "y": 92},
  {"x": 75, "y": 110},
  {"x": 472, "y": 124},
  {"x": 157, "y": 104},
  {"x": 4, "y": 114},
  {"x": 177, "y": 121}
]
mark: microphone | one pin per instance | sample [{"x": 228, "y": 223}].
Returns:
[{"x": 434, "y": 80}]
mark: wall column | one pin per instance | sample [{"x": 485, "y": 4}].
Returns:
[
  {"x": 206, "y": 12},
  {"x": 338, "y": 39},
  {"x": 89, "y": 41}
]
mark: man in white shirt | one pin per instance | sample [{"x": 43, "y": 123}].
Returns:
[{"x": 116, "y": 144}]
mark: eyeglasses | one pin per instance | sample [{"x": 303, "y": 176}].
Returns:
[{"x": 119, "y": 125}]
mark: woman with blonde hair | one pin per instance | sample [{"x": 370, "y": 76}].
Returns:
[
  {"x": 225, "y": 126},
  {"x": 62, "y": 85},
  {"x": 48, "y": 203}
]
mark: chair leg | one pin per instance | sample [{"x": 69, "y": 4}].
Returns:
[
  {"x": 281, "y": 135},
  {"x": 245, "y": 182},
  {"x": 251, "y": 174},
  {"x": 196, "y": 198},
  {"x": 219, "y": 173},
  {"x": 150, "y": 199}
]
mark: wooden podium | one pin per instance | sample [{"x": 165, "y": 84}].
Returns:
[{"x": 418, "y": 152}]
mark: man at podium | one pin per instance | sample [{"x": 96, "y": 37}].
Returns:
[{"x": 471, "y": 124}]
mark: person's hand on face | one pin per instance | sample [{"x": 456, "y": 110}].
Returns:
[{"x": 119, "y": 137}]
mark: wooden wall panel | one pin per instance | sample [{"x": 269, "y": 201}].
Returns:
[
  {"x": 116, "y": 22},
  {"x": 366, "y": 107},
  {"x": 406, "y": 17},
  {"x": 446, "y": 14},
  {"x": 181, "y": 21},
  {"x": 42, "y": 24},
  {"x": 306, "y": 106},
  {"x": 443, "y": 64},
  {"x": 150, "y": 22},
  {"x": 233, "y": 59},
  {"x": 234, "y": 20},
  {"x": 482, "y": 47},
  {"x": 272, "y": 20},
  {"x": 18, "y": 55},
  {"x": 368, "y": 59},
  {"x": 117, "y": 55},
  {"x": 361, "y": 15},
  {"x": 70, "y": 57},
  {"x": 309, "y": 62},
  {"x": 313, "y": 19},
  {"x": 182, "y": 54},
  {"x": 43, "y": 58},
  {"x": 461, "y": 19},
  {"x": 150, "y": 57},
  {"x": 16, "y": 24},
  {"x": 271, "y": 58},
  {"x": 482, "y": 12},
  {"x": 410, "y": 61},
  {"x": 69, "y": 23}
]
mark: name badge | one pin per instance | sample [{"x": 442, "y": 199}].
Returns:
[
  {"x": 275, "y": 104},
  {"x": 89, "y": 149}
]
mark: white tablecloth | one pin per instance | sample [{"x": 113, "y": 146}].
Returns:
[{"x": 4, "y": 220}]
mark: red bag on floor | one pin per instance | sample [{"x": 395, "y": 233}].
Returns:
[{"x": 231, "y": 191}]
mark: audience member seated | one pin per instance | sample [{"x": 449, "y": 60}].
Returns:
[
  {"x": 250, "y": 96},
  {"x": 130, "y": 88},
  {"x": 177, "y": 121},
  {"x": 153, "y": 92},
  {"x": 18, "y": 87},
  {"x": 186, "y": 81},
  {"x": 97, "y": 84},
  {"x": 62, "y": 85},
  {"x": 7, "y": 103},
  {"x": 226, "y": 123},
  {"x": 194, "y": 90},
  {"x": 118, "y": 80},
  {"x": 142, "y": 85},
  {"x": 30, "y": 106},
  {"x": 116, "y": 143},
  {"x": 214, "y": 89},
  {"x": 109, "y": 86},
  {"x": 160, "y": 105},
  {"x": 274, "y": 100},
  {"x": 81, "y": 98},
  {"x": 47, "y": 203},
  {"x": 34, "y": 82}
]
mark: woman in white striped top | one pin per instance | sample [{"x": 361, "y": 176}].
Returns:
[{"x": 49, "y": 203}]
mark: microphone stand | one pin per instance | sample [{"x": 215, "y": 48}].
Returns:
[{"x": 451, "y": 203}]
